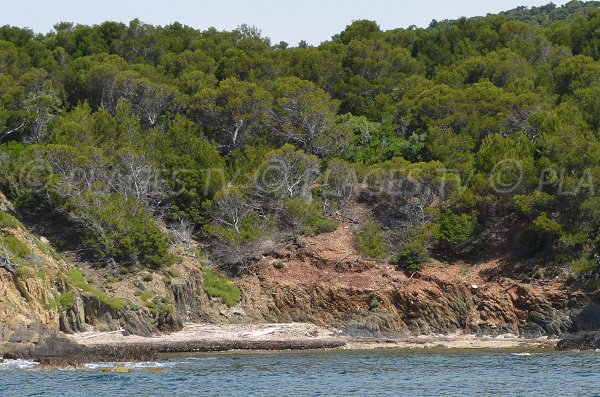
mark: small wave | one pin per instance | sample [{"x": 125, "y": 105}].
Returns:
[
  {"x": 521, "y": 354},
  {"x": 143, "y": 364},
  {"x": 17, "y": 364}
]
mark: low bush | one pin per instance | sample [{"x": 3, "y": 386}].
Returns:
[
  {"x": 146, "y": 295},
  {"x": 119, "y": 227},
  {"x": 66, "y": 300},
  {"x": 369, "y": 240},
  {"x": 412, "y": 256},
  {"x": 306, "y": 218},
  {"x": 216, "y": 285},
  {"x": 455, "y": 229}
]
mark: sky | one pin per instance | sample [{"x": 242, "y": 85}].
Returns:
[{"x": 291, "y": 21}]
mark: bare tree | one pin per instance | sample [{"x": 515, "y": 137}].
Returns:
[
  {"x": 287, "y": 173},
  {"x": 183, "y": 231},
  {"x": 230, "y": 209},
  {"x": 134, "y": 175},
  {"x": 339, "y": 186}
]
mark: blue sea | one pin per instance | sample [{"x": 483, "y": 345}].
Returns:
[{"x": 321, "y": 373}]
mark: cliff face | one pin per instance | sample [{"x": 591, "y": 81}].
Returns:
[
  {"x": 321, "y": 280},
  {"x": 366, "y": 298}
]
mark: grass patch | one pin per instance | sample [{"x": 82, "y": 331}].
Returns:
[
  {"x": 216, "y": 285},
  {"x": 146, "y": 295},
  {"x": 47, "y": 249},
  {"x": 66, "y": 300},
  {"x": 8, "y": 221},
  {"x": 76, "y": 278},
  {"x": 15, "y": 246},
  {"x": 23, "y": 272}
]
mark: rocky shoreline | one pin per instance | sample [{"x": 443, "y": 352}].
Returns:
[
  {"x": 580, "y": 341},
  {"x": 82, "y": 348}
]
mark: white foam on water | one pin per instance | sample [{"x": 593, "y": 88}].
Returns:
[
  {"x": 143, "y": 364},
  {"x": 17, "y": 364},
  {"x": 199, "y": 358}
]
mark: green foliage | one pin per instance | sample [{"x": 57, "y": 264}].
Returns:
[
  {"x": 147, "y": 277},
  {"x": 216, "y": 285},
  {"x": 114, "y": 125},
  {"x": 119, "y": 227},
  {"x": 15, "y": 246},
  {"x": 24, "y": 272},
  {"x": 593, "y": 284},
  {"x": 584, "y": 266},
  {"x": 75, "y": 278},
  {"x": 412, "y": 257},
  {"x": 306, "y": 218},
  {"x": 369, "y": 240},
  {"x": 65, "y": 301},
  {"x": 528, "y": 204},
  {"x": 454, "y": 229},
  {"x": 373, "y": 300},
  {"x": 146, "y": 295},
  {"x": 540, "y": 236},
  {"x": 160, "y": 306},
  {"x": 8, "y": 221}
]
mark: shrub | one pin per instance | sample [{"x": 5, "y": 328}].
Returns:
[
  {"x": 454, "y": 229},
  {"x": 147, "y": 277},
  {"x": 584, "y": 266},
  {"x": 412, "y": 257},
  {"x": 374, "y": 304},
  {"x": 25, "y": 272},
  {"x": 527, "y": 204},
  {"x": 540, "y": 235},
  {"x": 216, "y": 285},
  {"x": 173, "y": 272},
  {"x": 66, "y": 300},
  {"x": 306, "y": 218},
  {"x": 374, "y": 300},
  {"x": 547, "y": 226},
  {"x": 369, "y": 239},
  {"x": 530, "y": 241},
  {"x": 119, "y": 227}
]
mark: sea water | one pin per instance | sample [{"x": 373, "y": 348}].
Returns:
[{"x": 321, "y": 373}]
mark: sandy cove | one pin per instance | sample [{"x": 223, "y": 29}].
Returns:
[{"x": 291, "y": 336}]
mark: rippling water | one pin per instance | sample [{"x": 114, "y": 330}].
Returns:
[{"x": 322, "y": 373}]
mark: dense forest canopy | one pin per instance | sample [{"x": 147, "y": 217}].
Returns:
[{"x": 466, "y": 135}]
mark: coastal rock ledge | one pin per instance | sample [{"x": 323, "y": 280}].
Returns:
[{"x": 580, "y": 341}]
